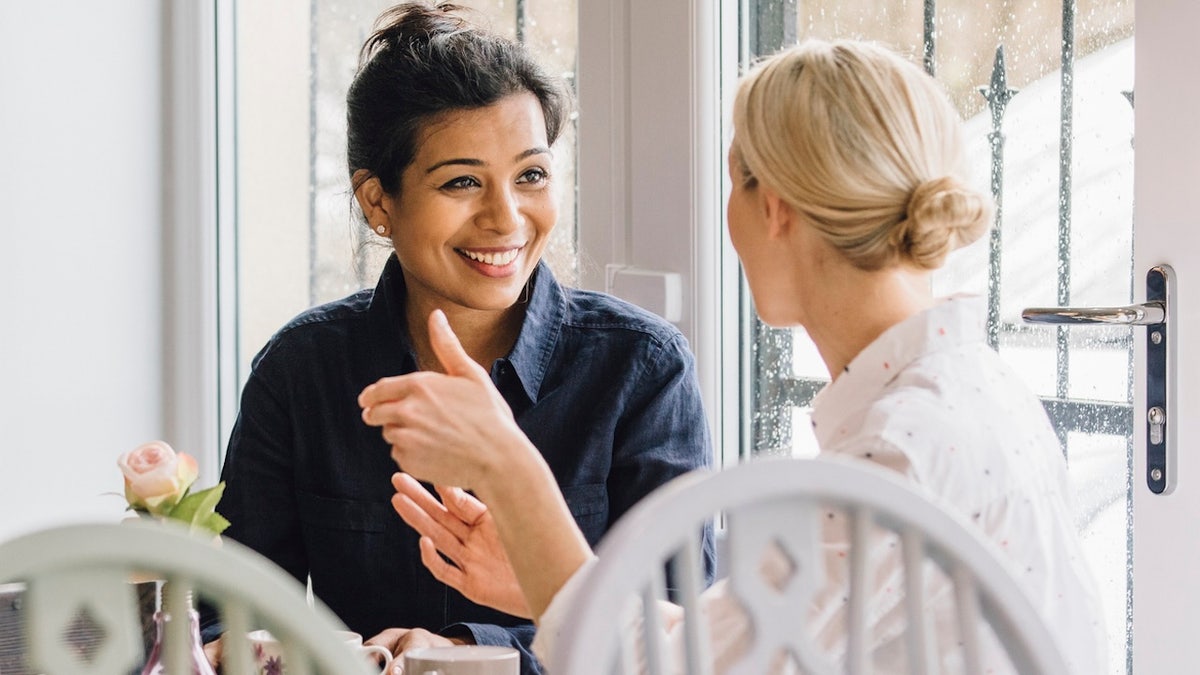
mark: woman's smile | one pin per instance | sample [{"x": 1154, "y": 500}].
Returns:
[{"x": 494, "y": 262}]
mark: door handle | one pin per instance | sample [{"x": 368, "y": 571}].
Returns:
[
  {"x": 1155, "y": 314},
  {"x": 1146, "y": 314}
]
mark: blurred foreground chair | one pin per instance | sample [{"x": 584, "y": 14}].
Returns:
[
  {"x": 785, "y": 506},
  {"x": 81, "y": 575}
]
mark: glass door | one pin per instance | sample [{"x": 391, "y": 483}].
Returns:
[
  {"x": 1047, "y": 92},
  {"x": 1166, "y": 592}
]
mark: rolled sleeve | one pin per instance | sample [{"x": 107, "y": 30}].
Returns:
[{"x": 518, "y": 637}]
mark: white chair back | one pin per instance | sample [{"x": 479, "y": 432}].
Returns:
[
  {"x": 788, "y": 506},
  {"x": 83, "y": 573}
]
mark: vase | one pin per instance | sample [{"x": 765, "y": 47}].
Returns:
[{"x": 196, "y": 662}]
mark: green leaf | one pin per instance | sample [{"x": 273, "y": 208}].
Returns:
[
  {"x": 215, "y": 523},
  {"x": 198, "y": 510}
]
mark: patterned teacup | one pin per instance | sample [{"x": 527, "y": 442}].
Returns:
[{"x": 268, "y": 653}]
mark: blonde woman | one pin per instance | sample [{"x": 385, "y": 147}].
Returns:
[{"x": 849, "y": 189}]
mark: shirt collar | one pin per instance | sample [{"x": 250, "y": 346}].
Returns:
[
  {"x": 389, "y": 323},
  {"x": 951, "y": 322},
  {"x": 530, "y": 355}
]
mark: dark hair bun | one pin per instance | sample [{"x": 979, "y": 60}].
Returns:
[{"x": 409, "y": 23}]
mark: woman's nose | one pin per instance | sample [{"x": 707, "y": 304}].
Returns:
[{"x": 502, "y": 212}]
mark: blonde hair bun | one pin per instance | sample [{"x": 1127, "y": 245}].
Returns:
[
  {"x": 850, "y": 134},
  {"x": 942, "y": 215}
]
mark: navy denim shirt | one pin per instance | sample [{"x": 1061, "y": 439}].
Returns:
[{"x": 606, "y": 391}]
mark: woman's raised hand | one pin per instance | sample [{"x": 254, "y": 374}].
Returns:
[
  {"x": 460, "y": 528},
  {"x": 456, "y": 429},
  {"x": 448, "y": 429}
]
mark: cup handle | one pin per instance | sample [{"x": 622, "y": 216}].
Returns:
[{"x": 378, "y": 650}]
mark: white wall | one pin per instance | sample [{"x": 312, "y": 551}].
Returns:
[{"x": 81, "y": 186}]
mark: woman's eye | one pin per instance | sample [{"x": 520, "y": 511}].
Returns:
[
  {"x": 460, "y": 183},
  {"x": 534, "y": 176}
]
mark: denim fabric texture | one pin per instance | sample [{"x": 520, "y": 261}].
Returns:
[{"x": 606, "y": 391}]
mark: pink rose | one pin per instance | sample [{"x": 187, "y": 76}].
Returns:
[{"x": 156, "y": 478}]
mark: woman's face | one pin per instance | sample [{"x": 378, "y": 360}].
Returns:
[
  {"x": 768, "y": 263},
  {"x": 747, "y": 231},
  {"x": 476, "y": 206},
  {"x": 740, "y": 209}
]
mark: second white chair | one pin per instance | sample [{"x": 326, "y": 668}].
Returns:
[{"x": 783, "y": 514}]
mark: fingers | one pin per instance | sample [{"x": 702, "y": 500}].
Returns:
[
  {"x": 390, "y": 390},
  {"x": 212, "y": 652},
  {"x": 400, "y": 640},
  {"x": 430, "y": 514},
  {"x": 388, "y": 638},
  {"x": 413, "y": 638},
  {"x": 421, "y": 522},
  {"x": 450, "y": 351},
  {"x": 440, "y": 569},
  {"x": 461, "y": 504}
]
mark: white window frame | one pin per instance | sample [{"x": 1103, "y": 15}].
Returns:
[
  {"x": 651, "y": 158},
  {"x": 189, "y": 252}
]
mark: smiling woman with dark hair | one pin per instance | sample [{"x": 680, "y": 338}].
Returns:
[{"x": 450, "y": 141}]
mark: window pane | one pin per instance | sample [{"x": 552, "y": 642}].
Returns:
[{"x": 299, "y": 238}]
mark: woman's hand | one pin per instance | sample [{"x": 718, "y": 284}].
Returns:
[
  {"x": 462, "y": 529},
  {"x": 456, "y": 429},
  {"x": 448, "y": 429},
  {"x": 212, "y": 652},
  {"x": 400, "y": 640}
]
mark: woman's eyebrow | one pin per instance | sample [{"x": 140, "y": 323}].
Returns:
[
  {"x": 467, "y": 161},
  {"x": 531, "y": 152},
  {"x": 458, "y": 160}
]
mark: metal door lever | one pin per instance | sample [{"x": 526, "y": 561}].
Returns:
[
  {"x": 1155, "y": 314},
  {"x": 1131, "y": 315}
]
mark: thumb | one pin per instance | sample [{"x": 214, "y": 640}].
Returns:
[
  {"x": 449, "y": 350},
  {"x": 462, "y": 504}
]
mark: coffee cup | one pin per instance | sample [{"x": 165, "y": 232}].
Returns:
[
  {"x": 374, "y": 652},
  {"x": 462, "y": 660},
  {"x": 268, "y": 652}
]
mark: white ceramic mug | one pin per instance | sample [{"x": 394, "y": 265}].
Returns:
[
  {"x": 462, "y": 660},
  {"x": 268, "y": 653}
]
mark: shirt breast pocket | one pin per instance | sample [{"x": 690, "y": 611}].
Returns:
[
  {"x": 346, "y": 515},
  {"x": 589, "y": 506}
]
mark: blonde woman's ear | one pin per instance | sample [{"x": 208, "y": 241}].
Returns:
[{"x": 778, "y": 215}]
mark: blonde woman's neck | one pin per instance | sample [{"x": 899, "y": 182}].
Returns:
[{"x": 856, "y": 309}]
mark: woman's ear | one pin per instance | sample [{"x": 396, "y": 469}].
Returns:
[
  {"x": 371, "y": 198},
  {"x": 778, "y": 215}
]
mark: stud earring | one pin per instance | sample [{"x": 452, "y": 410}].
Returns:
[{"x": 381, "y": 229}]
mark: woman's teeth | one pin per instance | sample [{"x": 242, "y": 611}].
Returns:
[{"x": 498, "y": 259}]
